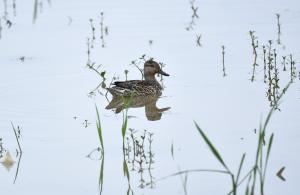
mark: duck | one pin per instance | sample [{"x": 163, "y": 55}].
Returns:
[{"x": 148, "y": 86}]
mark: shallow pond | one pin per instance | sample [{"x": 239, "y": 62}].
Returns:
[{"x": 49, "y": 96}]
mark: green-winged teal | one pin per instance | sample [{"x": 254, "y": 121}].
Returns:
[{"x": 148, "y": 86}]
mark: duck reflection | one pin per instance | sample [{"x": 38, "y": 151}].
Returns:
[{"x": 152, "y": 112}]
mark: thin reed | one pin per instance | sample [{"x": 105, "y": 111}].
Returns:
[{"x": 101, "y": 149}]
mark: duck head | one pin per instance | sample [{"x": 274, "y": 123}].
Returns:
[{"x": 151, "y": 68}]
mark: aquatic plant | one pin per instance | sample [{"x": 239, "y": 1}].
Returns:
[
  {"x": 292, "y": 68},
  {"x": 102, "y": 30},
  {"x": 150, "y": 42},
  {"x": 88, "y": 43},
  {"x": 1, "y": 147},
  {"x": 194, "y": 16},
  {"x": 0, "y": 29},
  {"x": 198, "y": 40},
  {"x": 37, "y": 7},
  {"x": 278, "y": 28},
  {"x": 223, "y": 60},
  {"x": 140, "y": 156},
  {"x": 93, "y": 33},
  {"x": 139, "y": 62},
  {"x": 265, "y": 63},
  {"x": 254, "y": 44},
  {"x": 284, "y": 62},
  {"x": 123, "y": 131},
  {"x": 126, "y": 74},
  {"x": 102, "y": 84},
  {"x": 273, "y": 76},
  {"x": 17, "y": 133},
  {"x": 99, "y": 130}
]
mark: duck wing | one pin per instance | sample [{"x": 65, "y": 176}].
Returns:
[
  {"x": 134, "y": 88},
  {"x": 130, "y": 84}
]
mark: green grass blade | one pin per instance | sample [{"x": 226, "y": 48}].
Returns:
[
  {"x": 248, "y": 187},
  {"x": 99, "y": 129},
  {"x": 101, "y": 175},
  {"x": 240, "y": 168},
  {"x": 124, "y": 125},
  {"x": 211, "y": 147},
  {"x": 268, "y": 155},
  {"x": 125, "y": 169}
]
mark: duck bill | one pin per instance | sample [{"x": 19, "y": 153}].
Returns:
[{"x": 163, "y": 73}]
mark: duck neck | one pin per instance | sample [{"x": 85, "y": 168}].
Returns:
[{"x": 150, "y": 77}]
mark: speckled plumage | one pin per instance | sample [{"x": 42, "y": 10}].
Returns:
[{"x": 149, "y": 86}]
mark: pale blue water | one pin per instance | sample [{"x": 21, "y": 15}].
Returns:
[{"x": 44, "y": 93}]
